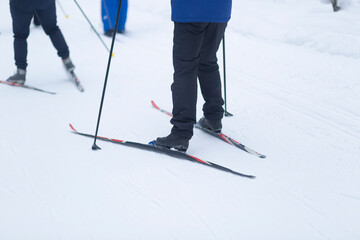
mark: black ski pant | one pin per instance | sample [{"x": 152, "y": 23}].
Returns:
[
  {"x": 21, "y": 16},
  {"x": 194, "y": 57},
  {"x": 36, "y": 20}
]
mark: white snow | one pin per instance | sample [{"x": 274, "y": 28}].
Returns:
[{"x": 293, "y": 85}]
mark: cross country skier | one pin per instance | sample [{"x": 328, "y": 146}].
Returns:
[
  {"x": 199, "y": 27},
  {"x": 22, "y": 11}
]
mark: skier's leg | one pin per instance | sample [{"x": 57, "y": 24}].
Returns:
[
  {"x": 123, "y": 16},
  {"x": 105, "y": 16},
  {"x": 47, "y": 17},
  {"x": 21, "y": 20},
  {"x": 188, "y": 38},
  {"x": 209, "y": 76}
]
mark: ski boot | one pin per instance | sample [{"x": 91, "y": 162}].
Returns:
[
  {"x": 18, "y": 77},
  {"x": 214, "y": 126},
  {"x": 69, "y": 66},
  {"x": 173, "y": 141}
]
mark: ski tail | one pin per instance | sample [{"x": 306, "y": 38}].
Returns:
[{"x": 76, "y": 80}]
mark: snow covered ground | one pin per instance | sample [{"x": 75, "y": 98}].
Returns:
[{"x": 293, "y": 85}]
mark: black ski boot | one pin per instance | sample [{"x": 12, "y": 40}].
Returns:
[
  {"x": 69, "y": 66},
  {"x": 173, "y": 141},
  {"x": 335, "y": 6},
  {"x": 214, "y": 126},
  {"x": 109, "y": 33},
  {"x": 18, "y": 77}
]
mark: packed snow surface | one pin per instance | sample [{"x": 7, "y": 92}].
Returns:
[{"x": 293, "y": 85}]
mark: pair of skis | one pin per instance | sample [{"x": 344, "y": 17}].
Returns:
[
  {"x": 181, "y": 155},
  {"x": 72, "y": 74}
]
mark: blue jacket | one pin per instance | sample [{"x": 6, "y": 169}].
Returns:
[{"x": 201, "y": 10}]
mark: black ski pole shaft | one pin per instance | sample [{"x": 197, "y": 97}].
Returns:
[
  {"x": 62, "y": 9},
  {"x": 227, "y": 114},
  {"x": 94, "y": 146},
  {"x": 87, "y": 19}
]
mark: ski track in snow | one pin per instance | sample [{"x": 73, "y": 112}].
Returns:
[
  {"x": 318, "y": 231},
  {"x": 9, "y": 190},
  {"x": 177, "y": 176},
  {"x": 304, "y": 203},
  {"x": 141, "y": 193},
  {"x": 36, "y": 194},
  {"x": 341, "y": 122},
  {"x": 351, "y": 197},
  {"x": 201, "y": 219}
]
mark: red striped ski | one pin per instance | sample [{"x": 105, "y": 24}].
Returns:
[
  {"x": 173, "y": 153},
  {"x": 26, "y": 86}
]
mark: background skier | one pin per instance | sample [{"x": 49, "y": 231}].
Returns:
[
  {"x": 22, "y": 12},
  {"x": 108, "y": 13}
]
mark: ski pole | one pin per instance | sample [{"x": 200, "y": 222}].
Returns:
[
  {"x": 62, "y": 9},
  {"x": 94, "y": 146},
  {"x": 227, "y": 114},
  {"x": 91, "y": 25}
]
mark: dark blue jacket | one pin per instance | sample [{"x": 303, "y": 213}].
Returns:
[
  {"x": 200, "y": 10},
  {"x": 31, "y": 4}
]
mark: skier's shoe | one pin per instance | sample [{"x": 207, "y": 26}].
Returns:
[
  {"x": 336, "y": 8},
  {"x": 173, "y": 141},
  {"x": 109, "y": 33},
  {"x": 18, "y": 77},
  {"x": 214, "y": 126},
  {"x": 69, "y": 66}
]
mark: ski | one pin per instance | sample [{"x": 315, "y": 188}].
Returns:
[
  {"x": 26, "y": 86},
  {"x": 230, "y": 141},
  {"x": 76, "y": 81},
  {"x": 220, "y": 136},
  {"x": 151, "y": 147}
]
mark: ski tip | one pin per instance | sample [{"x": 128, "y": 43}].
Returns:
[
  {"x": 71, "y": 126},
  {"x": 154, "y": 104}
]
